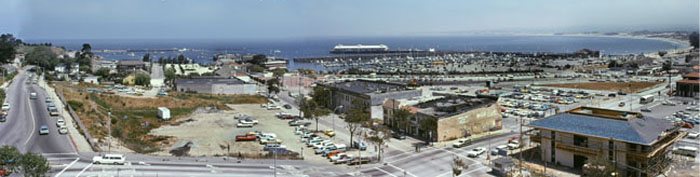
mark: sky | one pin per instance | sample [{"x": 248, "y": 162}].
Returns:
[{"x": 281, "y": 19}]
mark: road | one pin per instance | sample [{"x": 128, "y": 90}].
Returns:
[{"x": 26, "y": 116}]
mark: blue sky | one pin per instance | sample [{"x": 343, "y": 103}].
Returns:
[{"x": 263, "y": 19}]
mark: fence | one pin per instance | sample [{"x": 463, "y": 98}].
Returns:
[{"x": 86, "y": 133}]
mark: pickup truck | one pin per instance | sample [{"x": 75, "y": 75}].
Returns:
[{"x": 246, "y": 137}]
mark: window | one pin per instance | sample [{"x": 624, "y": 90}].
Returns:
[
  {"x": 553, "y": 148},
  {"x": 611, "y": 150},
  {"x": 580, "y": 141}
]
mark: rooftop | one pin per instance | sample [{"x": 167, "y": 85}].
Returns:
[
  {"x": 453, "y": 105},
  {"x": 367, "y": 86},
  {"x": 130, "y": 62},
  {"x": 209, "y": 80},
  {"x": 643, "y": 131},
  {"x": 689, "y": 81},
  {"x": 694, "y": 75}
]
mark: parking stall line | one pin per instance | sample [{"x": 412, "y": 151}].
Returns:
[{"x": 64, "y": 169}]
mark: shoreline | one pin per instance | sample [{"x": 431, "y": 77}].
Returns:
[{"x": 684, "y": 45}]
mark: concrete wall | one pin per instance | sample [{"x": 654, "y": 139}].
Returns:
[
  {"x": 564, "y": 158},
  {"x": 231, "y": 89},
  {"x": 472, "y": 122},
  {"x": 218, "y": 88}
]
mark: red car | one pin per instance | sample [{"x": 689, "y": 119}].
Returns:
[
  {"x": 289, "y": 117},
  {"x": 513, "y": 139}
]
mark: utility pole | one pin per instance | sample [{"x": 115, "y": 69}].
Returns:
[
  {"x": 275, "y": 163},
  {"x": 520, "y": 143}
]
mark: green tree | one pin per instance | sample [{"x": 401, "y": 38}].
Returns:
[
  {"x": 8, "y": 45},
  {"x": 146, "y": 57},
  {"x": 180, "y": 59},
  {"x": 429, "y": 126},
  {"x": 312, "y": 111},
  {"x": 41, "y": 56},
  {"x": 357, "y": 115},
  {"x": 103, "y": 73},
  {"x": 170, "y": 75},
  {"x": 9, "y": 155},
  {"x": 256, "y": 68},
  {"x": 279, "y": 72},
  {"x": 142, "y": 79},
  {"x": 379, "y": 136},
  {"x": 401, "y": 116},
  {"x": 273, "y": 86},
  {"x": 322, "y": 96},
  {"x": 34, "y": 165},
  {"x": 258, "y": 59}
]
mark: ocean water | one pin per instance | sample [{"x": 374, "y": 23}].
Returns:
[{"x": 202, "y": 50}]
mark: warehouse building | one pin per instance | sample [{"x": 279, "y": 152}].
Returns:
[
  {"x": 689, "y": 86},
  {"x": 372, "y": 93}
]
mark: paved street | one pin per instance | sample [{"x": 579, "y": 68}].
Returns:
[{"x": 25, "y": 118}]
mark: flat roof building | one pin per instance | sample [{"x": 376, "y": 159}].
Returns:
[
  {"x": 372, "y": 93},
  {"x": 689, "y": 86},
  {"x": 639, "y": 145},
  {"x": 452, "y": 117},
  {"x": 215, "y": 85}
]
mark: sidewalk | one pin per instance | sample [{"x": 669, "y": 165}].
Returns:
[{"x": 77, "y": 139}]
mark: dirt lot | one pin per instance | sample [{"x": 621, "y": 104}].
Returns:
[
  {"x": 627, "y": 87},
  {"x": 212, "y": 132}
]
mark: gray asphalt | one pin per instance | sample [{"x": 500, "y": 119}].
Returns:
[{"x": 26, "y": 116}]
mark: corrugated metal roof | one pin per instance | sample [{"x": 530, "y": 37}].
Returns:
[{"x": 637, "y": 130}]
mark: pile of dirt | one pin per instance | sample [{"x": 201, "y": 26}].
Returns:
[{"x": 182, "y": 151}]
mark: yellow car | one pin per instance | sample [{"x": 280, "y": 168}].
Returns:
[{"x": 329, "y": 132}]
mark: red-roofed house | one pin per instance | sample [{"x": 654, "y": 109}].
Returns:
[{"x": 689, "y": 86}]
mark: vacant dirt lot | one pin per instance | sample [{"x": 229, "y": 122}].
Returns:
[
  {"x": 213, "y": 132},
  {"x": 627, "y": 87}
]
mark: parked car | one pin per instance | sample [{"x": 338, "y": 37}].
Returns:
[
  {"x": 62, "y": 130},
  {"x": 329, "y": 132},
  {"x": 6, "y": 106},
  {"x": 248, "y": 121},
  {"x": 287, "y": 106},
  {"x": 273, "y": 107},
  {"x": 693, "y": 135},
  {"x": 244, "y": 125},
  {"x": 270, "y": 141},
  {"x": 345, "y": 159},
  {"x": 476, "y": 152},
  {"x": 514, "y": 145},
  {"x": 645, "y": 110},
  {"x": 117, "y": 159},
  {"x": 399, "y": 136},
  {"x": 60, "y": 122},
  {"x": 359, "y": 144}
]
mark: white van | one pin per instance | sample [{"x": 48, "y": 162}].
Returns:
[
  {"x": 117, "y": 159},
  {"x": 341, "y": 147}
]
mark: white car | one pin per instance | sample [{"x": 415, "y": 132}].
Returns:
[
  {"x": 476, "y": 152},
  {"x": 513, "y": 145},
  {"x": 62, "y": 130},
  {"x": 248, "y": 121},
  {"x": 116, "y": 159},
  {"x": 462, "y": 142},
  {"x": 244, "y": 125},
  {"x": 60, "y": 123},
  {"x": 693, "y": 135},
  {"x": 273, "y": 107},
  {"x": 6, "y": 106}
]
